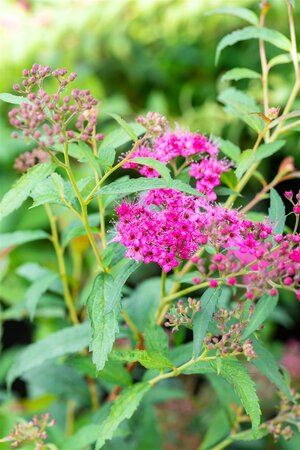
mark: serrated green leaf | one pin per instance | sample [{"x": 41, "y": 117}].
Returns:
[
  {"x": 126, "y": 127},
  {"x": 83, "y": 153},
  {"x": 272, "y": 36},
  {"x": 239, "y": 73},
  {"x": 21, "y": 237},
  {"x": 246, "y": 160},
  {"x": 123, "y": 408},
  {"x": 242, "y": 13},
  {"x": 13, "y": 99},
  {"x": 36, "y": 290},
  {"x": 104, "y": 326},
  {"x": 119, "y": 137},
  {"x": 203, "y": 317},
  {"x": 266, "y": 150},
  {"x": 106, "y": 156},
  {"x": 229, "y": 149},
  {"x": 150, "y": 361},
  {"x": 242, "y": 106},
  {"x": 268, "y": 366},
  {"x": 276, "y": 212},
  {"x": 263, "y": 309},
  {"x": 157, "y": 344},
  {"x": 154, "y": 164},
  {"x": 68, "y": 340},
  {"x": 16, "y": 196}
]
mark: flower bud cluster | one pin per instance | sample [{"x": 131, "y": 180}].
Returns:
[
  {"x": 54, "y": 119},
  {"x": 296, "y": 204},
  {"x": 289, "y": 414},
  {"x": 30, "y": 432},
  {"x": 182, "y": 314},
  {"x": 29, "y": 159},
  {"x": 229, "y": 341},
  {"x": 166, "y": 145}
]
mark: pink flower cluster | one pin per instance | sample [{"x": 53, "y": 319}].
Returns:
[
  {"x": 29, "y": 159},
  {"x": 296, "y": 205},
  {"x": 199, "y": 153},
  {"x": 166, "y": 226},
  {"x": 291, "y": 358},
  {"x": 54, "y": 119}
]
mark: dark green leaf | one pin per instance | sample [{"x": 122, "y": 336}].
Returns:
[
  {"x": 272, "y": 36},
  {"x": 242, "y": 13},
  {"x": 276, "y": 212},
  {"x": 16, "y": 196},
  {"x": 123, "y": 408},
  {"x": 202, "y": 318},
  {"x": 21, "y": 237},
  {"x": 68, "y": 340},
  {"x": 263, "y": 309}
]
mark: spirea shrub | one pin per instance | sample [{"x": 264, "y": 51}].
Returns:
[{"x": 172, "y": 204}]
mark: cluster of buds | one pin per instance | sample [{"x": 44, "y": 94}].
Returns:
[
  {"x": 229, "y": 341},
  {"x": 296, "y": 204},
  {"x": 54, "y": 119},
  {"x": 289, "y": 414},
  {"x": 30, "y": 432},
  {"x": 183, "y": 314},
  {"x": 29, "y": 159},
  {"x": 155, "y": 123}
]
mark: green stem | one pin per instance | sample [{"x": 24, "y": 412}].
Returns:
[
  {"x": 61, "y": 265},
  {"x": 100, "y": 202},
  {"x": 163, "y": 284},
  {"x": 296, "y": 223}
]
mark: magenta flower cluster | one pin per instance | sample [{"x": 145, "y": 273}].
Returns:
[
  {"x": 29, "y": 159},
  {"x": 52, "y": 119},
  {"x": 199, "y": 153},
  {"x": 165, "y": 226}
]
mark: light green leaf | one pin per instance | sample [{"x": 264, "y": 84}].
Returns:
[
  {"x": 242, "y": 106},
  {"x": 272, "y": 36},
  {"x": 246, "y": 160},
  {"x": 126, "y": 127},
  {"x": 276, "y": 212},
  {"x": 21, "y": 237},
  {"x": 268, "y": 366},
  {"x": 157, "y": 344},
  {"x": 229, "y": 149},
  {"x": 119, "y": 137},
  {"x": 84, "y": 437},
  {"x": 68, "y": 340},
  {"x": 285, "y": 58},
  {"x": 202, "y": 318},
  {"x": 104, "y": 326},
  {"x": 36, "y": 290},
  {"x": 107, "y": 156},
  {"x": 239, "y": 73},
  {"x": 13, "y": 99},
  {"x": 266, "y": 150},
  {"x": 123, "y": 408},
  {"x": 219, "y": 428},
  {"x": 263, "y": 309},
  {"x": 83, "y": 153},
  {"x": 16, "y": 196},
  {"x": 150, "y": 361},
  {"x": 242, "y": 13},
  {"x": 248, "y": 435},
  {"x": 154, "y": 164}
]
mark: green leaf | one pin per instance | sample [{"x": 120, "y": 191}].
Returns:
[
  {"x": 285, "y": 58},
  {"x": 276, "y": 212},
  {"x": 68, "y": 340},
  {"x": 106, "y": 156},
  {"x": 268, "y": 366},
  {"x": 202, "y": 318},
  {"x": 83, "y": 153},
  {"x": 84, "y": 437},
  {"x": 126, "y": 127},
  {"x": 154, "y": 164},
  {"x": 104, "y": 326},
  {"x": 272, "y": 36},
  {"x": 248, "y": 435},
  {"x": 266, "y": 150},
  {"x": 242, "y": 13},
  {"x": 229, "y": 149},
  {"x": 219, "y": 428},
  {"x": 36, "y": 290},
  {"x": 126, "y": 187},
  {"x": 13, "y": 99},
  {"x": 114, "y": 290},
  {"x": 16, "y": 196},
  {"x": 263, "y": 309},
  {"x": 242, "y": 106},
  {"x": 150, "y": 361},
  {"x": 246, "y": 160},
  {"x": 239, "y": 73},
  {"x": 123, "y": 408},
  {"x": 157, "y": 344},
  {"x": 21, "y": 237},
  {"x": 119, "y": 137}
]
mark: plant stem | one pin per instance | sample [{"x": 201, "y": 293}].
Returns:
[
  {"x": 61, "y": 265},
  {"x": 100, "y": 202},
  {"x": 84, "y": 214},
  {"x": 163, "y": 284},
  {"x": 263, "y": 58}
]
